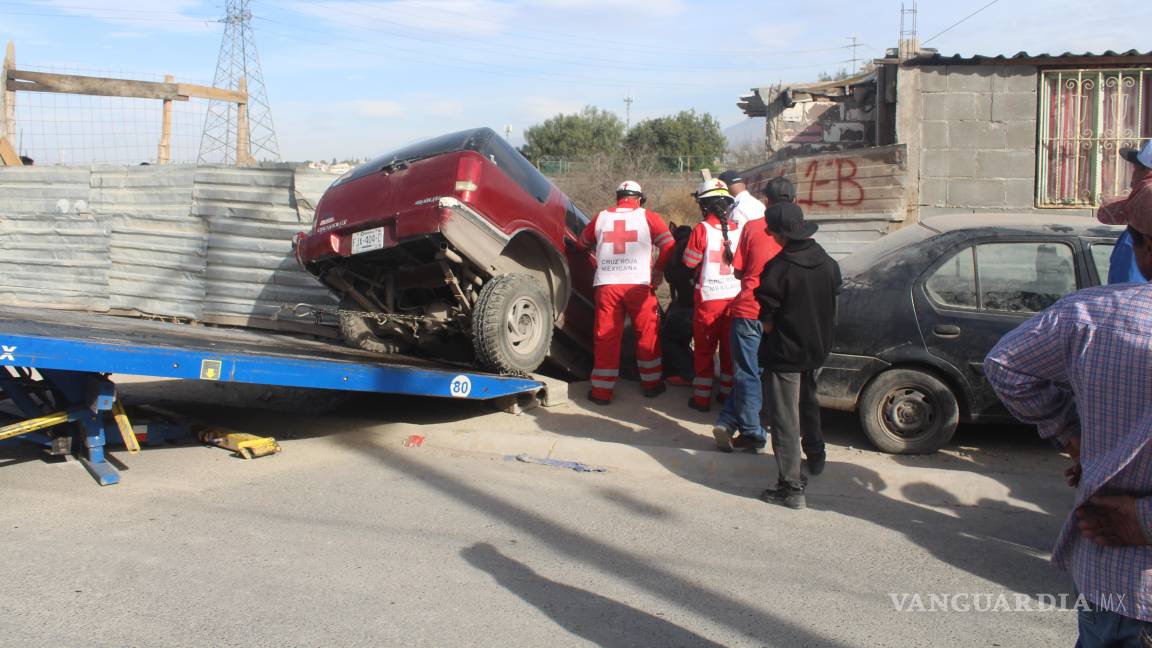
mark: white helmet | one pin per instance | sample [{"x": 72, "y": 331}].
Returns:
[
  {"x": 714, "y": 188},
  {"x": 629, "y": 188}
]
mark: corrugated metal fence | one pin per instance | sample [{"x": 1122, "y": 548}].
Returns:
[{"x": 208, "y": 244}]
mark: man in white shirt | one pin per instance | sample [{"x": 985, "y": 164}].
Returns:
[{"x": 748, "y": 208}]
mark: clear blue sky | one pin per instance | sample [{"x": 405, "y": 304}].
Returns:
[{"x": 354, "y": 78}]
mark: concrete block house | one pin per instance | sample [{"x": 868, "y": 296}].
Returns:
[{"x": 925, "y": 134}]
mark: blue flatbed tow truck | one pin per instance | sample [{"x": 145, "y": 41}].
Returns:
[{"x": 55, "y": 367}]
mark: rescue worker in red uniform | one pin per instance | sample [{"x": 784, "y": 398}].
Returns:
[
  {"x": 631, "y": 245},
  {"x": 712, "y": 249}
]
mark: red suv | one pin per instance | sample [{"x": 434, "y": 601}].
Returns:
[{"x": 453, "y": 245}]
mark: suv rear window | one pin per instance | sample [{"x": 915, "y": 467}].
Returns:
[
  {"x": 484, "y": 141},
  {"x": 518, "y": 168},
  {"x": 470, "y": 140}
]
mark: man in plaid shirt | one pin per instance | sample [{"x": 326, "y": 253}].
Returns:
[{"x": 1081, "y": 371}]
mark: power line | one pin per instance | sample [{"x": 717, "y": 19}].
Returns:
[
  {"x": 400, "y": 53},
  {"x": 109, "y": 17},
  {"x": 551, "y": 36},
  {"x": 89, "y": 9},
  {"x": 539, "y": 55},
  {"x": 959, "y": 22}
]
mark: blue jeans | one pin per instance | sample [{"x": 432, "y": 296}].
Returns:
[
  {"x": 741, "y": 411},
  {"x": 1104, "y": 629}
]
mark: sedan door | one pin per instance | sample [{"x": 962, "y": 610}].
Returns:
[{"x": 967, "y": 302}]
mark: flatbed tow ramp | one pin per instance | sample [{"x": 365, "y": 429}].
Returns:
[{"x": 54, "y": 368}]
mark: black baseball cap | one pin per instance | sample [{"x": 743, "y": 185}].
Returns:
[
  {"x": 730, "y": 178},
  {"x": 780, "y": 190},
  {"x": 787, "y": 220}
]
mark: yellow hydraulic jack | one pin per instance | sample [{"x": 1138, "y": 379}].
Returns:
[
  {"x": 31, "y": 425},
  {"x": 246, "y": 446}
]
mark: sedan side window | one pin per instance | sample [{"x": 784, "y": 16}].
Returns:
[
  {"x": 954, "y": 283},
  {"x": 1024, "y": 277},
  {"x": 1101, "y": 258}
]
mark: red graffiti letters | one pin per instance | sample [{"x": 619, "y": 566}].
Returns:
[{"x": 849, "y": 192}]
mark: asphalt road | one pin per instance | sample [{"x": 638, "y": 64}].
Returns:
[{"x": 348, "y": 538}]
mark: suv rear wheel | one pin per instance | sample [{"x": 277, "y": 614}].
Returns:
[
  {"x": 905, "y": 411},
  {"x": 512, "y": 324}
]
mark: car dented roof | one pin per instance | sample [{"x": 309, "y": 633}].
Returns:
[
  {"x": 896, "y": 248},
  {"x": 1027, "y": 223}
]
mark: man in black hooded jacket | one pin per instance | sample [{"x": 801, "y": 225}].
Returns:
[{"x": 797, "y": 296}]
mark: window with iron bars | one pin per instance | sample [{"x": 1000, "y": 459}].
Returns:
[{"x": 1086, "y": 117}]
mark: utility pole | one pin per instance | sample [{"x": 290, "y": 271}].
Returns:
[
  {"x": 854, "y": 45},
  {"x": 238, "y": 66},
  {"x": 909, "y": 45},
  {"x": 628, "y": 111}
]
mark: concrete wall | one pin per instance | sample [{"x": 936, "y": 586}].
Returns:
[
  {"x": 208, "y": 244},
  {"x": 978, "y": 138}
]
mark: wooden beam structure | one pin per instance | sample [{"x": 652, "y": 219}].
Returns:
[
  {"x": 164, "y": 151},
  {"x": 13, "y": 81},
  {"x": 8, "y": 97},
  {"x": 25, "y": 81},
  {"x": 8, "y": 155},
  {"x": 243, "y": 134}
]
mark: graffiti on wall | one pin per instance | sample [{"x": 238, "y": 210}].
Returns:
[{"x": 843, "y": 184}]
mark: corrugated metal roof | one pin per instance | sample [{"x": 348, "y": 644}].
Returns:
[{"x": 1020, "y": 57}]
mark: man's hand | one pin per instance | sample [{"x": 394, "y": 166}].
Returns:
[
  {"x": 1111, "y": 521},
  {"x": 657, "y": 279},
  {"x": 1075, "y": 471}
]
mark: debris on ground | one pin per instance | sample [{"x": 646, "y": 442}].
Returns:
[{"x": 555, "y": 463}]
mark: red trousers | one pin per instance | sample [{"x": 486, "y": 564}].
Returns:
[
  {"x": 711, "y": 328},
  {"x": 613, "y": 302}
]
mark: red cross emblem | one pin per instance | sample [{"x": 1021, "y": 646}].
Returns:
[
  {"x": 717, "y": 256},
  {"x": 620, "y": 237}
]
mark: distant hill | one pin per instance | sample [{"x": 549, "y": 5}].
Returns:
[{"x": 749, "y": 131}]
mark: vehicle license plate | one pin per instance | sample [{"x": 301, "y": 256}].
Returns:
[{"x": 368, "y": 240}]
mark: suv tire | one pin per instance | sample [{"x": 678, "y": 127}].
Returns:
[
  {"x": 512, "y": 324},
  {"x": 905, "y": 411},
  {"x": 358, "y": 333}
]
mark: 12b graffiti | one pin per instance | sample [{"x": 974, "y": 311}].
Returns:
[{"x": 840, "y": 172}]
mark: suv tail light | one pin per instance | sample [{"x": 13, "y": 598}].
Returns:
[{"x": 467, "y": 176}]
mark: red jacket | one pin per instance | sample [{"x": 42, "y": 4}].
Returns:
[{"x": 756, "y": 249}]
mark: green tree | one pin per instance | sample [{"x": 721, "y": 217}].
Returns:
[
  {"x": 684, "y": 141},
  {"x": 590, "y": 132}
]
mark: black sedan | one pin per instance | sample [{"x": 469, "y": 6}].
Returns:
[{"x": 921, "y": 307}]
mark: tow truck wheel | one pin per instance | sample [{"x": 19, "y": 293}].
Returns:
[
  {"x": 358, "y": 333},
  {"x": 512, "y": 324}
]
